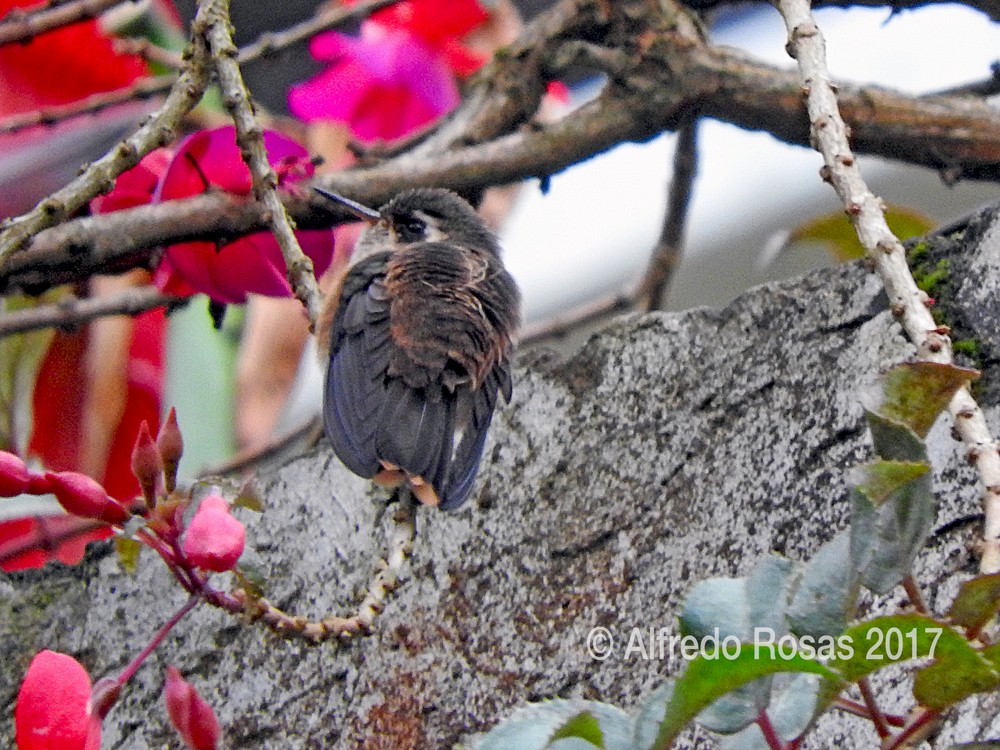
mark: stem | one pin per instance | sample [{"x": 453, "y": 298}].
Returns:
[
  {"x": 913, "y": 591},
  {"x": 133, "y": 666},
  {"x": 852, "y": 707},
  {"x": 770, "y": 734},
  {"x": 920, "y": 723},
  {"x": 874, "y": 712}
]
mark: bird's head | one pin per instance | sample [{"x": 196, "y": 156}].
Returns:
[{"x": 421, "y": 215}]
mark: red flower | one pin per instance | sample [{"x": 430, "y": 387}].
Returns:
[
  {"x": 214, "y": 539},
  {"x": 137, "y": 186},
  {"x": 53, "y": 706},
  {"x": 190, "y": 714},
  {"x": 227, "y": 273},
  {"x": 384, "y": 85},
  {"x": 440, "y": 25},
  {"x": 60, "y": 66}
]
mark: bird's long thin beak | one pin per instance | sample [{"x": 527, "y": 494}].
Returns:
[{"x": 369, "y": 215}]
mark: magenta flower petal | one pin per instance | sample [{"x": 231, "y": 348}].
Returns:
[
  {"x": 253, "y": 264},
  {"x": 384, "y": 85}
]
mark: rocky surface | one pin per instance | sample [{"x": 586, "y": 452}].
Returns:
[{"x": 670, "y": 449}]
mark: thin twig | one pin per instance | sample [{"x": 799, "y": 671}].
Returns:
[
  {"x": 141, "y": 89},
  {"x": 401, "y": 538},
  {"x": 249, "y": 459},
  {"x": 250, "y": 137},
  {"x": 73, "y": 312},
  {"x": 906, "y": 301},
  {"x": 23, "y": 26},
  {"x": 148, "y": 51},
  {"x": 590, "y": 312},
  {"x": 158, "y": 130},
  {"x": 326, "y": 18},
  {"x": 668, "y": 250}
]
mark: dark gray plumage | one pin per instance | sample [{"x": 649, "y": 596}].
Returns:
[{"x": 420, "y": 333}]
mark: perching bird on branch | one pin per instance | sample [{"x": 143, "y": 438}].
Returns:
[{"x": 420, "y": 334}]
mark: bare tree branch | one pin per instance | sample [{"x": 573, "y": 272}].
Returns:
[
  {"x": 990, "y": 8},
  {"x": 74, "y": 312},
  {"x": 907, "y": 302},
  {"x": 668, "y": 250},
  {"x": 250, "y": 137},
  {"x": 23, "y": 26},
  {"x": 670, "y": 76}
]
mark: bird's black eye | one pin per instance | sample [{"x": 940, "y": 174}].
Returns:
[{"x": 410, "y": 229}]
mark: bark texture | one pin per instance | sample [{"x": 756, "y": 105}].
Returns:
[{"x": 672, "y": 448}]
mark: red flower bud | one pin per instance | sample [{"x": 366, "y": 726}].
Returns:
[
  {"x": 146, "y": 463},
  {"x": 191, "y": 716},
  {"x": 214, "y": 539},
  {"x": 171, "y": 446},
  {"x": 52, "y": 710},
  {"x": 82, "y": 496},
  {"x": 14, "y": 475}
]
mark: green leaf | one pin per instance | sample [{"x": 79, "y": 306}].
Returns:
[
  {"x": 892, "y": 515},
  {"x": 914, "y": 393},
  {"x": 837, "y": 233},
  {"x": 128, "y": 550},
  {"x": 768, "y": 589},
  {"x": 977, "y": 602},
  {"x": 583, "y": 726},
  {"x": 649, "y": 716},
  {"x": 877, "y": 643},
  {"x": 793, "y": 707},
  {"x": 827, "y": 594},
  {"x": 879, "y": 481},
  {"x": 717, "y": 603},
  {"x": 954, "y": 677},
  {"x": 535, "y": 727},
  {"x": 706, "y": 680},
  {"x": 893, "y": 441}
]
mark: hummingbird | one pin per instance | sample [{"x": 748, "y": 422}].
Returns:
[{"x": 418, "y": 333}]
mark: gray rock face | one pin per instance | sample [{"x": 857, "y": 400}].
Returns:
[{"x": 670, "y": 449}]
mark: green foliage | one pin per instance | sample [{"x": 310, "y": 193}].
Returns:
[
  {"x": 837, "y": 234},
  {"x": 20, "y": 359},
  {"x": 779, "y": 642}
]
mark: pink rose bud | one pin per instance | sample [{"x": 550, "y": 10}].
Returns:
[
  {"x": 191, "y": 716},
  {"x": 52, "y": 710},
  {"x": 171, "y": 446},
  {"x": 14, "y": 475},
  {"x": 82, "y": 496},
  {"x": 146, "y": 463},
  {"x": 214, "y": 539}
]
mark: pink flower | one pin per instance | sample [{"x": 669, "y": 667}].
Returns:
[
  {"x": 252, "y": 264},
  {"x": 190, "y": 714},
  {"x": 214, "y": 539},
  {"x": 53, "y": 706},
  {"x": 384, "y": 85}
]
